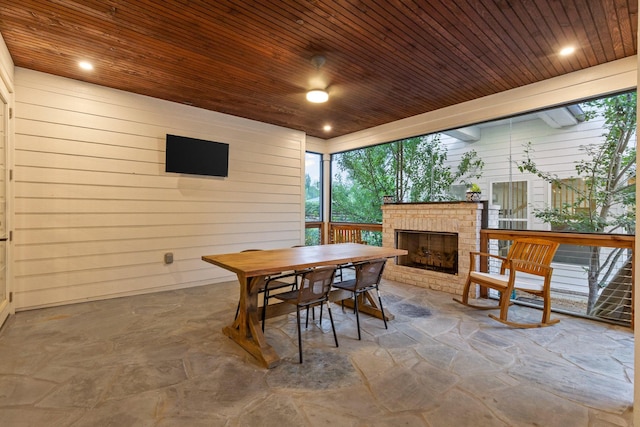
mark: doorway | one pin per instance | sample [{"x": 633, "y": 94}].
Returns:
[{"x": 6, "y": 306}]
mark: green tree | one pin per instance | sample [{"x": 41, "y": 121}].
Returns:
[
  {"x": 608, "y": 170},
  {"x": 312, "y": 202},
  {"x": 414, "y": 170}
]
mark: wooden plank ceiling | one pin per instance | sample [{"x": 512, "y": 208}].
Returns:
[{"x": 385, "y": 59}]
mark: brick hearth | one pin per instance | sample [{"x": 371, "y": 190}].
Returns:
[{"x": 464, "y": 218}]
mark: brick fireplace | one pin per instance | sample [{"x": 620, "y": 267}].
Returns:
[{"x": 462, "y": 219}]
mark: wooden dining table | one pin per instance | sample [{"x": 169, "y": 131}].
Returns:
[{"x": 253, "y": 269}]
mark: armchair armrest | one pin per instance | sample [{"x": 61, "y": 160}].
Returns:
[{"x": 474, "y": 254}]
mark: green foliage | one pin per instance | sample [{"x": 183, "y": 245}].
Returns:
[
  {"x": 312, "y": 202},
  {"x": 608, "y": 171},
  {"x": 474, "y": 188},
  {"x": 372, "y": 238},
  {"x": 312, "y": 190},
  {"x": 311, "y": 236},
  {"x": 414, "y": 170},
  {"x": 312, "y": 210}
]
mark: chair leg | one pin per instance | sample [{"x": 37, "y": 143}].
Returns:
[
  {"x": 355, "y": 304},
  {"x": 333, "y": 328},
  {"x": 306, "y": 323},
  {"x": 264, "y": 307},
  {"x": 299, "y": 333},
  {"x": 465, "y": 293},
  {"x": 505, "y": 301},
  {"x": 464, "y": 300},
  {"x": 546, "y": 310},
  {"x": 384, "y": 318},
  {"x": 313, "y": 315},
  {"x": 546, "y": 313}
]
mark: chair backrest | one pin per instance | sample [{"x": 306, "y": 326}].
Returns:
[
  {"x": 346, "y": 235},
  {"x": 369, "y": 273},
  {"x": 534, "y": 250},
  {"x": 315, "y": 284}
]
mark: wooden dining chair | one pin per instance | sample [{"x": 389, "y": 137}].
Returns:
[
  {"x": 313, "y": 289},
  {"x": 368, "y": 275},
  {"x": 527, "y": 267}
]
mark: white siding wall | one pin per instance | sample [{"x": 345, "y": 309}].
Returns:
[{"x": 95, "y": 212}]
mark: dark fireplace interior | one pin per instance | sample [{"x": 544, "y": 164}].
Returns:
[{"x": 429, "y": 250}]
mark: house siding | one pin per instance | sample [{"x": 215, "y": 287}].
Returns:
[
  {"x": 501, "y": 147},
  {"x": 95, "y": 212}
]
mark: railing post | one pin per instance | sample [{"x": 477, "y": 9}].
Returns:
[{"x": 484, "y": 262}]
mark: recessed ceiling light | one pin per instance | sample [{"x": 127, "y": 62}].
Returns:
[
  {"x": 567, "y": 50},
  {"x": 327, "y": 128},
  {"x": 85, "y": 65}
]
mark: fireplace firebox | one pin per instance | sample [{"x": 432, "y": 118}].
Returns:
[{"x": 428, "y": 250}]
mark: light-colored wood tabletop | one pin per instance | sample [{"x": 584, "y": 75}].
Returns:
[
  {"x": 257, "y": 263},
  {"x": 252, "y": 269}
]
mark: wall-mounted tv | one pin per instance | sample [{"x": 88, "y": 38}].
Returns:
[{"x": 196, "y": 156}]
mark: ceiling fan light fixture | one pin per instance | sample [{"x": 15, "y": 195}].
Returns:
[{"x": 317, "y": 96}]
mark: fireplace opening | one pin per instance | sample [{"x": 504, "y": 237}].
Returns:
[{"x": 429, "y": 250}]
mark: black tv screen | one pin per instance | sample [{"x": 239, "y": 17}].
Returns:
[{"x": 196, "y": 156}]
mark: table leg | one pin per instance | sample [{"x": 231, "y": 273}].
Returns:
[
  {"x": 246, "y": 329},
  {"x": 369, "y": 305}
]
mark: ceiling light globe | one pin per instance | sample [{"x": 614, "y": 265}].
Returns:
[{"x": 317, "y": 96}]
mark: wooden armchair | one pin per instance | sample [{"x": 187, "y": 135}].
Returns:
[{"x": 527, "y": 268}]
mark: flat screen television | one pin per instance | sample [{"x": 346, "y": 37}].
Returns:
[{"x": 196, "y": 156}]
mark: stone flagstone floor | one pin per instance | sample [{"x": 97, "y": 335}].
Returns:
[{"x": 161, "y": 360}]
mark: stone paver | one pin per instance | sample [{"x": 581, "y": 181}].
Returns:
[{"x": 161, "y": 360}]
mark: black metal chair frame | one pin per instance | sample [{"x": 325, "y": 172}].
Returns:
[
  {"x": 366, "y": 280},
  {"x": 308, "y": 295},
  {"x": 272, "y": 283}
]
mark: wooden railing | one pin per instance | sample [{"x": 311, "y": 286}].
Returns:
[
  {"x": 328, "y": 231},
  {"x": 615, "y": 241},
  {"x": 320, "y": 226},
  {"x": 623, "y": 241},
  {"x": 350, "y": 232}
]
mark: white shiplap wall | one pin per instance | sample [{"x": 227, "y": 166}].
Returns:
[{"x": 95, "y": 212}]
